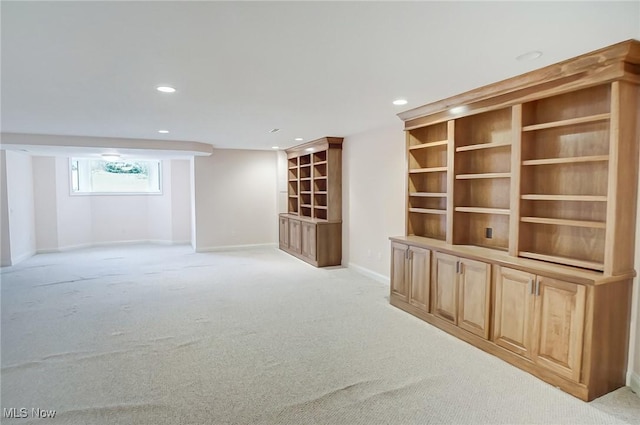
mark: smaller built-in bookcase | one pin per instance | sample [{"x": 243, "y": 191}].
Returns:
[{"x": 314, "y": 202}]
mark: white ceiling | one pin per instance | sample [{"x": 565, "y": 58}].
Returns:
[{"x": 311, "y": 69}]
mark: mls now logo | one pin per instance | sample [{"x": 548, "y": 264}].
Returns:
[{"x": 23, "y": 412}]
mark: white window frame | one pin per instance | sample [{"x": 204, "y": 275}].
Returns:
[{"x": 85, "y": 193}]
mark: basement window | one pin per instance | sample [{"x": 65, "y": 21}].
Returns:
[{"x": 96, "y": 176}]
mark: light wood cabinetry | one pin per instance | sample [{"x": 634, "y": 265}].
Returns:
[
  {"x": 314, "y": 193},
  {"x": 525, "y": 193},
  {"x": 410, "y": 266},
  {"x": 541, "y": 319}
]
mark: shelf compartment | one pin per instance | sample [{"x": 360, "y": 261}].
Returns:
[
  {"x": 483, "y": 176},
  {"x": 320, "y": 170},
  {"x": 569, "y": 160},
  {"x": 483, "y": 193},
  {"x": 586, "y": 104},
  {"x": 305, "y": 172},
  {"x": 427, "y": 225},
  {"x": 478, "y": 161},
  {"x": 429, "y": 145},
  {"x": 305, "y": 160},
  {"x": 292, "y": 162},
  {"x": 491, "y": 128},
  {"x": 320, "y": 199},
  {"x": 319, "y": 185},
  {"x": 305, "y": 186},
  {"x": 479, "y": 210},
  {"x": 436, "y": 157},
  {"x": 320, "y": 213},
  {"x": 319, "y": 157},
  {"x": 428, "y": 194},
  {"x": 427, "y": 170},
  {"x": 491, "y": 145},
  {"x": 572, "y": 198},
  {"x": 305, "y": 210},
  {"x": 567, "y": 122},
  {"x": 581, "y": 245},
  {"x": 428, "y": 183},
  {"x": 428, "y": 203},
  {"x": 563, "y": 260},
  {"x": 473, "y": 227},
  {"x": 569, "y": 179},
  {"x": 426, "y": 135},
  {"x": 564, "y": 222}
]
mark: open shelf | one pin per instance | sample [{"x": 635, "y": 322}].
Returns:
[
  {"x": 564, "y": 222},
  {"x": 428, "y": 170},
  {"x": 484, "y": 176},
  {"x": 429, "y": 145},
  {"x": 320, "y": 207},
  {"x": 567, "y": 122},
  {"x": 563, "y": 260},
  {"x": 483, "y": 146},
  {"x": 579, "y": 198},
  {"x": 570, "y": 160},
  {"x": 320, "y": 163},
  {"x": 480, "y": 210},
  {"x": 427, "y": 211},
  {"x": 428, "y": 194}
]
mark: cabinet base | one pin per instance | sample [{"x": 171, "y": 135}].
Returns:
[{"x": 576, "y": 389}]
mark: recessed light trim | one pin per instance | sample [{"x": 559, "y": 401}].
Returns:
[
  {"x": 163, "y": 131},
  {"x": 298, "y": 139},
  {"x": 309, "y": 149},
  {"x": 457, "y": 109},
  {"x": 534, "y": 54},
  {"x": 275, "y": 147},
  {"x": 400, "y": 102},
  {"x": 166, "y": 89}
]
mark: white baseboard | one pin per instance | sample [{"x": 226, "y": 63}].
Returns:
[
  {"x": 236, "y": 247},
  {"x": 369, "y": 273},
  {"x": 634, "y": 383},
  {"x": 22, "y": 257},
  {"x": 111, "y": 243}
]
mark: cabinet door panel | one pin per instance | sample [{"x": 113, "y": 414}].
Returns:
[
  {"x": 473, "y": 293},
  {"x": 513, "y": 311},
  {"x": 419, "y": 277},
  {"x": 294, "y": 235},
  {"x": 399, "y": 285},
  {"x": 284, "y": 232},
  {"x": 560, "y": 326},
  {"x": 308, "y": 240},
  {"x": 445, "y": 288}
]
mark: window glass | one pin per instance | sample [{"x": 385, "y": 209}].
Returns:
[{"x": 99, "y": 176}]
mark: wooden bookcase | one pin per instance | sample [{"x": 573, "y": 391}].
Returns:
[
  {"x": 521, "y": 201},
  {"x": 312, "y": 228}
]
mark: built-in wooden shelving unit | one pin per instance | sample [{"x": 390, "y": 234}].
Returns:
[{"x": 521, "y": 214}]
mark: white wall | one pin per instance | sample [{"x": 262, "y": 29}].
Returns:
[
  {"x": 65, "y": 221},
  {"x": 5, "y": 245},
  {"x": 22, "y": 229},
  {"x": 45, "y": 202},
  {"x": 373, "y": 197},
  {"x": 180, "y": 201},
  {"x": 235, "y": 199}
]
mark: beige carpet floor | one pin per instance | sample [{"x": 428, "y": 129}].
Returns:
[{"x": 162, "y": 335}]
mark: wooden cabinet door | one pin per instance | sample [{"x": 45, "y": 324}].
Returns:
[
  {"x": 473, "y": 296},
  {"x": 445, "y": 288},
  {"x": 399, "y": 284},
  {"x": 513, "y": 315},
  {"x": 419, "y": 277},
  {"x": 308, "y": 240},
  {"x": 294, "y": 235},
  {"x": 559, "y": 326},
  {"x": 284, "y": 232}
]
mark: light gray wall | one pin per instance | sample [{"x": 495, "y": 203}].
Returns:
[
  {"x": 5, "y": 246},
  {"x": 235, "y": 198},
  {"x": 22, "y": 228}
]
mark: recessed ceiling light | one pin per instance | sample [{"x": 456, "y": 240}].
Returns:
[
  {"x": 275, "y": 147},
  {"x": 298, "y": 139},
  {"x": 457, "y": 109},
  {"x": 400, "y": 102},
  {"x": 166, "y": 89},
  {"x": 534, "y": 54},
  {"x": 309, "y": 149},
  {"x": 110, "y": 157},
  {"x": 163, "y": 131}
]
